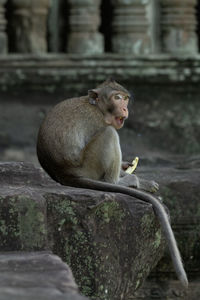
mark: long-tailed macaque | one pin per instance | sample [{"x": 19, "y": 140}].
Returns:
[{"x": 78, "y": 145}]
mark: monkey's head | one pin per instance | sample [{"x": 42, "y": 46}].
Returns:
[{"x": 112, "y": 100}]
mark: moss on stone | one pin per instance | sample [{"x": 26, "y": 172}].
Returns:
[
  {"x": 107, "y": 210},
  {"x": 22, "y": 224},
  {"x": 31, "y": 223},
  {"x": 8, "y": 225},
  {"x": 158, "y": 239},
  {"x": 85, "y": 255}
]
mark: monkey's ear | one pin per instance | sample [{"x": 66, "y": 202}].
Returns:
[
  {"x": 93, "y": 96},
  {"x": 93, "y": 93}
]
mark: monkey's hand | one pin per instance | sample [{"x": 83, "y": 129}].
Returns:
[
  {"x": 148, "y": 185},
  {"x": 126, "y": 165}
]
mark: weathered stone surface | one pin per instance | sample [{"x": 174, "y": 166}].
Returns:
[
  {"x": 106, "y": 240},
  {"x": 110, "y": 241},
  {"x": 71, "y": 214},
  {"x": 178, "y": 26},
  {"x": 36, "y": 275},
  {"x": 67, "y": 72},
  {"x": 130, "y": 27},
  {"x": 180, "y": 191},
  {"x": 29, "y": 25},
  {"x": 3, "y": 35},
  {"x": 84, "y": 21},
  {"x": 137, "y": 25}
]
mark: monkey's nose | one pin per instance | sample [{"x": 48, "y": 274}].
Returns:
[
  {"x": 125, "y": 110},
  {"x": 125, "y": 113}
]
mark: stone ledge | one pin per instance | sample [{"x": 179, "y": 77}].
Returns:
[
  {"x": 51, "y": 72},
  {"x": 180, "y": 190},
  {"x": 110, "y": 241},
  {"x": 101, "y": 232},
  {"x": 36, "y": 275}
]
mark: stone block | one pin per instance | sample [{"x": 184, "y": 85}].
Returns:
[
  {"x": 110, "y": 241},
  {"x": 36, "y": 275}
]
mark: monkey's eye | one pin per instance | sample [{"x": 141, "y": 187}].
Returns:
[
  {"x": 117, "y": 97},
  {"x": 126, "y": 98}
]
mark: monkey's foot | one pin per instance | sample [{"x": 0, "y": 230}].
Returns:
[{"x": 148, "y": 186}]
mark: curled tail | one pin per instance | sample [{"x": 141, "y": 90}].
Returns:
[{"x": 158, "y": 208}]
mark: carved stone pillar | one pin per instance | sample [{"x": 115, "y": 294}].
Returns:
[
  {"x": 3, "y": 36},
  {"x": 30, "y": 25},
  {"x": 131, "y": 27},
  {"x": 178, "y": 26},
  {"x": 39, "y": 14},
  {"x": 84, "y": 21}
]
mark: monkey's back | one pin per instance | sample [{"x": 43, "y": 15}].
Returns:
[{"x": 65, "y": 131}]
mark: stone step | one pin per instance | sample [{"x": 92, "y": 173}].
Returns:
[{"x": 36, "y": 275}]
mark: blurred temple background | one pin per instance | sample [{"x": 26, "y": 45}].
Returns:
[{"x": 51, "y": 50}]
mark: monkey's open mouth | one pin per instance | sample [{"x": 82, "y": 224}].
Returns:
[{"x": 119, "y": 120}]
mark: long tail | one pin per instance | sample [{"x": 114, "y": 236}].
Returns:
[{"x": 159, "y": 210}]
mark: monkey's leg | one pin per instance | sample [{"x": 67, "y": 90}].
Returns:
[{"x": 128, "y": 180}]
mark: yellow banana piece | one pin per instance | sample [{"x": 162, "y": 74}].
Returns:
[{"x": 132, "y": 168}]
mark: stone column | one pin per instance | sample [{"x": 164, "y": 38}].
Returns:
[
  {"x": 178, "y": 26},
  {"x": 131, "y": 27},
  {"x": 84, "y": 21},
  {"x": 3, "y": 36},
  {"x": 39, "y": 14},
  {"x": 29, "y": 25}
]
